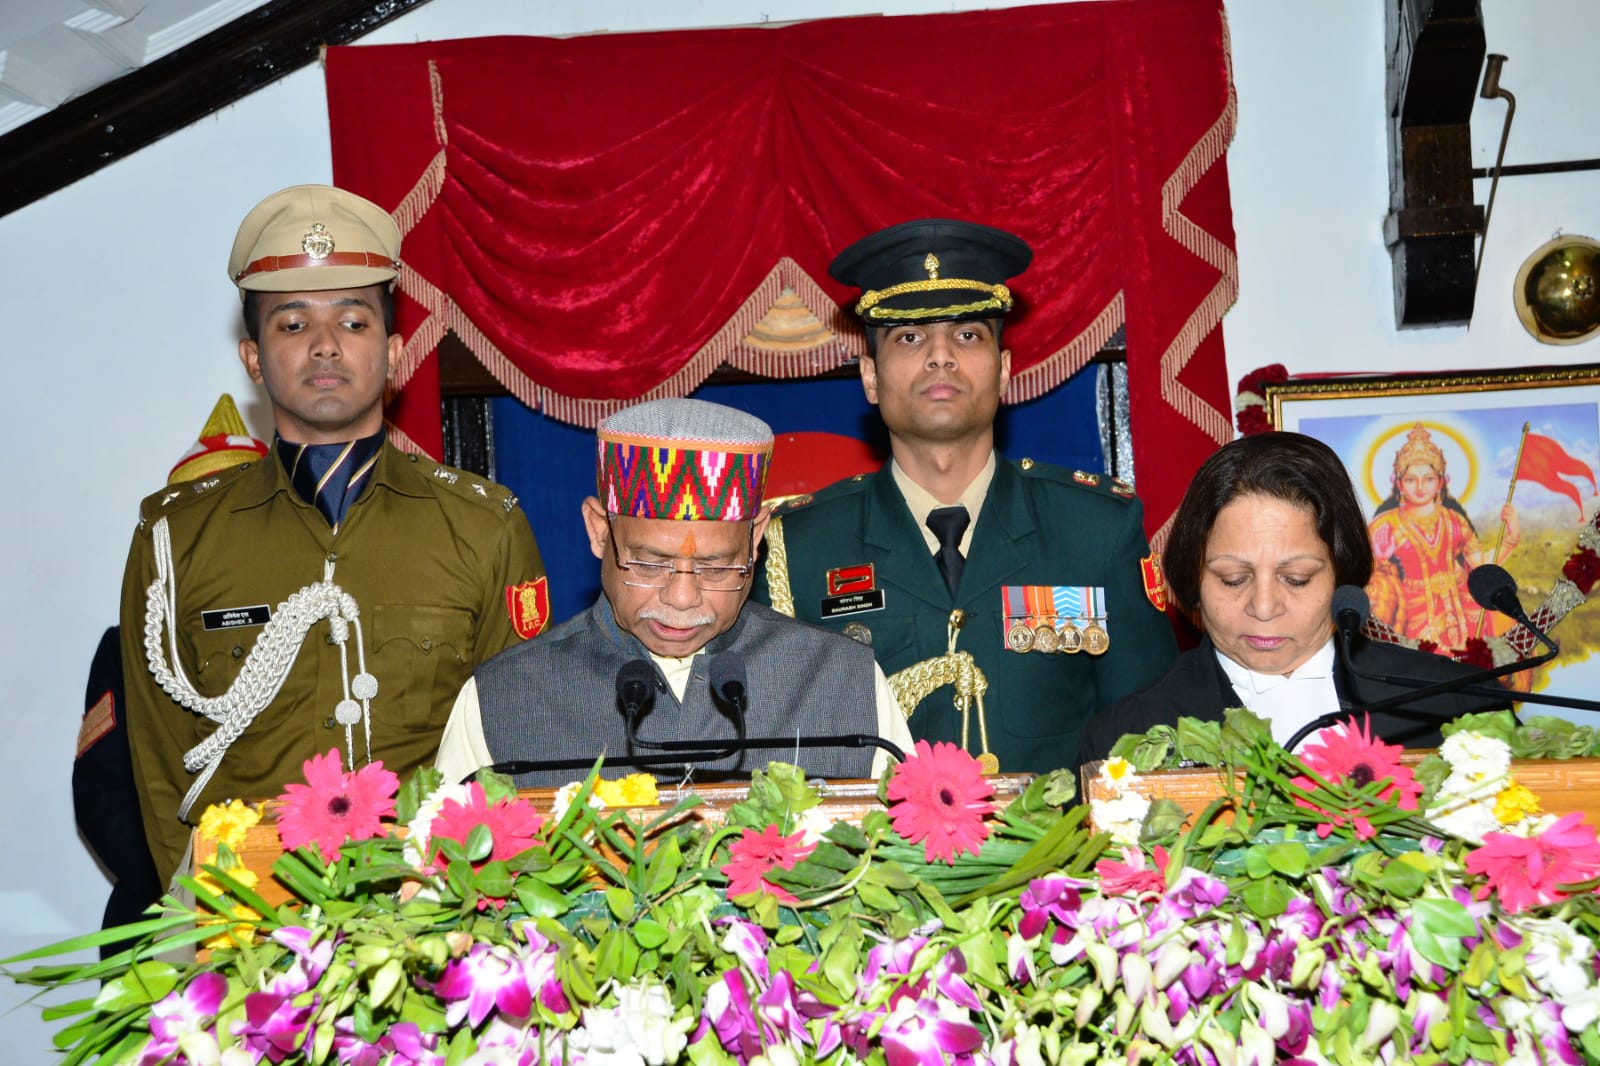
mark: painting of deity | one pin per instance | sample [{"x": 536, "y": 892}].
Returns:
[{"x": 1456, "y": 472}]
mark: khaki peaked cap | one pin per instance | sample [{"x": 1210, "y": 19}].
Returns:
[{"x": 312, "y": 237}]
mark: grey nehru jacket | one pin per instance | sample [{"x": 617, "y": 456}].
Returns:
[{"x": 555, "y": 697}]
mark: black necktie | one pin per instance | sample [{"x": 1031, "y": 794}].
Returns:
[
  {"x": 330, "y": 476},
  {"x": 948, "y": 523}
]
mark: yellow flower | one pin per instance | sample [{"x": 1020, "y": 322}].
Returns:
[
  {"x": 1118, "y": 773},
  {"x": 1514, "y": 803},
  {"x": 228, "y": 822},
  {"x": 635, "y": 790}
]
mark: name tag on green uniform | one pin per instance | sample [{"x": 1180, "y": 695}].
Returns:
[{"x": 236, "y": 617}]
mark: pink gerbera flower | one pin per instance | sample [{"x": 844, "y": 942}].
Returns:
[
  {"x": 754, "y": 855},
  {"x": 1133, "y": 877},
  {"x": 942, "y": 799},
  {"x": 1525, "y": 871},
  {"x": 334, "y": 806},
  {"x": 513, "y": 824},
  {"x": 1353, "y": 756}
]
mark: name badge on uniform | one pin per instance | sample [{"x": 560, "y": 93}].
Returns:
[
  {"x": 1054, "y": 619},
  {"x": 236, "y": 617},
  {"x": 852, "y": 590}
]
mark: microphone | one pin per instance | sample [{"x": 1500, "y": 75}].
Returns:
[
  {"x": 1496, "y": 590},
  {"x": 728, "y": 686},
  {"x": 728, "y": 681},
  {"x": 636, "y": 686},
  {"x": 1351, "y": 609}
]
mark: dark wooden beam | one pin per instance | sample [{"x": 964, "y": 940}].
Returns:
[
  {"x": 1435, "y": 53},
  {"x": 138, "y": 109}
]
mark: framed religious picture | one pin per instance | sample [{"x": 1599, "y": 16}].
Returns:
[{"x": 1455, "y": 471}]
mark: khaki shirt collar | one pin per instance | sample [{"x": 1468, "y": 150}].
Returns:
[
  {"x": 396, "y": 471},
  {"x": 921, "y": 502}
]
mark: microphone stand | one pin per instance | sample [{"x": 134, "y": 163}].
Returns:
[
  {"x": 1422, "y": 691},
  {"x": 685, "y": 752}
]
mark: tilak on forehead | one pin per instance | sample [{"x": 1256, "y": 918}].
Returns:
[{"x": 683, "y": 460}]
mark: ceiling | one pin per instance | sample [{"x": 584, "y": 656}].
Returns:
[{"x": 52, "y": 51}]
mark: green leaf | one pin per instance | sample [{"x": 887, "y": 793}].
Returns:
[
  {"x": 540, "y": 900},
  {"x": 620, "y": 903},
  {"x": 1289, "y": 859},
  {"x": 145, "y": 983},
  {"x": 876, "y": 896},
  {"x": 1437, "y": 928},
  {"x": 1165, "y": 820},
  {"x": 1266, "y": 898},
  {"x": 480, "y": 843},
  {"x": 664, "y": 866},
  {"x": 494, "y": 880},
  {"x": 649, "y": 933},
  {"x": 386, "y": 982}
]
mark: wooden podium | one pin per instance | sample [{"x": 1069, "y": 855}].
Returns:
[{"x": 1562, "y": 785}]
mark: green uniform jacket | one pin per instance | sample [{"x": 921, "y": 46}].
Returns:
[
  {"x": 427, "y": 552},
  {"x": 1039, "y": 525}
]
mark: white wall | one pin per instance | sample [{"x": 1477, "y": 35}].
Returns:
[{"x": 114, "y": 288}]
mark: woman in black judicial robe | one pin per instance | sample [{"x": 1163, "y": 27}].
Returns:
[{"x": 1267, "y": 531}]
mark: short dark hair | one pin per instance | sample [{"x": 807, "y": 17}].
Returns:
[
  {"x": 996, "y": 324},
  {"x": 252, "y": 311},
  {"x": 1287, "y": 466}
]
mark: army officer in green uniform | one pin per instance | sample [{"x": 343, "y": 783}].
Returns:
[
  {"x": 1009, "y": 601},
  {"x": 334, "y": 594}
]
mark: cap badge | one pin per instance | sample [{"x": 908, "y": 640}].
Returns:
[
  {"x": 931, "y": 265},
  {"x": 318, "y": 242}
]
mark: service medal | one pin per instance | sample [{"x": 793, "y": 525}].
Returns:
[
  {"x": 988, "y": 764},
  {"x": 1071, "y": 639},
  {"x": 1095, "y": 640},
  {"x": 1019, "y": 637},
  {"x": 1045, "y": 638}
]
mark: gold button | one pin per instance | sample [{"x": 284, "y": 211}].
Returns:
[
  {"x": 1026, "y": 464},
  {"x": 427, "y": 645},
  {"x": 238, "y": 652}
]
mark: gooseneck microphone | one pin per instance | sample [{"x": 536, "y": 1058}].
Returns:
[
  {"x": 728, "y": 683},
  {"x": 1495, "y": 589},
  {"x": 636, "y": 687},
  {"x": 1351, "y": 609}
]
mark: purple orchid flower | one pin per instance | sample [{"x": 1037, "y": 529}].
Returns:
[
  {"x": 922, "y": 1033},
  {"x": 274, "y": 1027},
  {"x": 181, "y": 1013},
  {"x": 402, "y": 1044},
  {"x": 486, "y": 978}
]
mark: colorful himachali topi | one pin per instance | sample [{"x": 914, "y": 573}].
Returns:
[{"x": 683, "y": 460}]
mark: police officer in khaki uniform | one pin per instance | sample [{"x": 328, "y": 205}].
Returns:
[
  {"x": 1008, "y": 601},
  {"x": 338, "y": 592}
]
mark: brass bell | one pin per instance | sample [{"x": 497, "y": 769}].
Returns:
[{"x": 1557, "y": 292}]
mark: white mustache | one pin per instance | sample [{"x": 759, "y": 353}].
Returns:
[{"x": 675, "y": 620}]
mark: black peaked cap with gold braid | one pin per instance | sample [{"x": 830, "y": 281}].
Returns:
[{"x": 932, "y": 270}]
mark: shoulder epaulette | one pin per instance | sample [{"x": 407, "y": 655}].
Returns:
[
  {"x": 1083, "y": 479},
  {"x": 466, "y": 484},
  {"x": 175, "y": 497}
]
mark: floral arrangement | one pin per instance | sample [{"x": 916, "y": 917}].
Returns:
[
  {"x": 1250, "y": 401},
  {"x": 442, "y": 924}
]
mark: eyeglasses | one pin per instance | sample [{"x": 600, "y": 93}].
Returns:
[{"x": 643, "y": 575}]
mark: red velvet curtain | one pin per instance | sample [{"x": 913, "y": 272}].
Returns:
[{"x": 607, "y": 218}]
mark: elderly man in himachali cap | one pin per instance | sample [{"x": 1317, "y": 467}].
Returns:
[
  {"x": 335, "y": 593},
  {"x": 675, "y": 527}
]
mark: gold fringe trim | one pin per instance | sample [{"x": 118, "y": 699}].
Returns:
[
  {"x": 1212, "y": 146},
  {"x": 402, "y": 440},
  {"x": 726, "y": 346},
  {"x": 1072, "y": 357}
]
